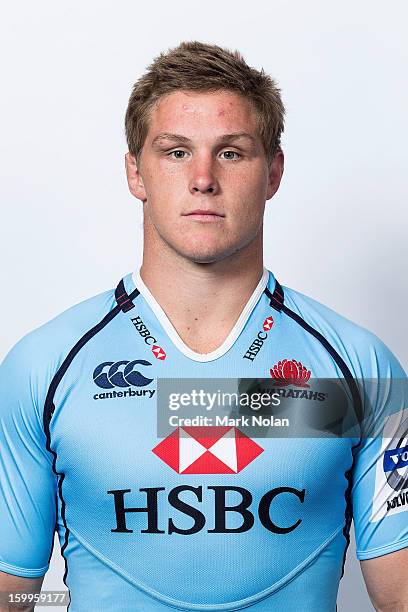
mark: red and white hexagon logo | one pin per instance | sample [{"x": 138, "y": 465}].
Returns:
[
  {"x": 197, "y": 450},
  {"x": 158, "y": 352},
  {"x": 267, "y": 324}
]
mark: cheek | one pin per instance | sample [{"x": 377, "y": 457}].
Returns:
[
  {"x": 167, "y": 185},
  {"x": 163, "y": 187},
  {"x": 248, "y": 178},
  {"x": 250, "y": 189}
]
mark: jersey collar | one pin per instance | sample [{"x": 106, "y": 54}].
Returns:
[{"x": 266, "y": 279}]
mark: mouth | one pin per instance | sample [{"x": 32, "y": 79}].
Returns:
[{"x": 204, "y": 215}]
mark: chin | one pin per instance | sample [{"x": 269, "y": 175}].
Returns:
[
  {"x": 199, "y": 257},
  {"x": 205, "y": 256}
]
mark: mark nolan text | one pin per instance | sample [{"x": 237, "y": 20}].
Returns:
[{"x": 241, "y": 421}]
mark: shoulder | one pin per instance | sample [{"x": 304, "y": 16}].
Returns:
[
  {"x": 363, "y": 351},
  {"x": 67, "y": 327},
  {"x": 28, "y": 368}
]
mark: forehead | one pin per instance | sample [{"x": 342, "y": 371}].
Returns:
[{"x": 191, "y": 113}]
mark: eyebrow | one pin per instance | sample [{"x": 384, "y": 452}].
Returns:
[{"x": 183, "y": 139}]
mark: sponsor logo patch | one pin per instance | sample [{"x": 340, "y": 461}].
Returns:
[
  {"x": 144, "y": 332},
  {"x": 290, "y": 372},
  {"x": 196, "y": 450},
  {"x": 122, "y": 375},
  {"x": 391, "y": 477},
  {"x": 258, "y": 342}
]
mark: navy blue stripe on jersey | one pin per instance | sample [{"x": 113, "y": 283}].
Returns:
[
  {"x": 49, "y": 406},
  {"x": 277, "y": 302},
  {"x": 123, "y": 299},
  {"x": 277, "y": 297}
]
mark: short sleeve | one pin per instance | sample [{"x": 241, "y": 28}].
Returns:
[
  {"x": 27, "y": 481},
  {"x": 380, "y": 477}
]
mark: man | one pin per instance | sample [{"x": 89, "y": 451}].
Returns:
[{"x": 204, "y": 517}]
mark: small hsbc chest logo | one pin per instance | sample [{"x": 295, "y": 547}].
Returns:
[
  {"x": 267, "y": 324},
  {"x": 144, "y": 332},
  {"x": 257, "y": 343}
]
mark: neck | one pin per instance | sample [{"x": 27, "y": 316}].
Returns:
[{"x": 202, "y": 300}]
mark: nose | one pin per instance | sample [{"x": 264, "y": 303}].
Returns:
[{"x": 203, "y": 179}]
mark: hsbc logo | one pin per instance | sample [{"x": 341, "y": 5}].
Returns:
[
  {"x": 144, "y": 332},
  {"x": 267, "y": 325},
  {"x": 158, "y": 352},
  {"x": 196, "y": 450},
  {"x": 207, "y": 450},
  {"x": 220, "y": 512},
  {"x": 258, "y": 342}
]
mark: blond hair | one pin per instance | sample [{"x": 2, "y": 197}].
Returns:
[{"x": 196, "y": 66}]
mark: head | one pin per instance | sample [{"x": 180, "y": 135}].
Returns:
[{"x": 203, "y": 131}]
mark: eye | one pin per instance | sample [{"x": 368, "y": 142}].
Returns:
[
  {"x": 231, "y": 155},
  {"x": 177, "y": 154}
]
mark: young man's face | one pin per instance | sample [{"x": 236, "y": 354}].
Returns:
[{"x": 203, "y": 153}]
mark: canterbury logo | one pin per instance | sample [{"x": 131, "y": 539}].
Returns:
[
  {"x": 290, "y": 372},
  {"x": 110, "y": 374}
]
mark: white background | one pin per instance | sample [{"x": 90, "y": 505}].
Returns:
[{"x": 337, "y": 229}]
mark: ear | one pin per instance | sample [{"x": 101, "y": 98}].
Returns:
[
  {"x": 275, "y": 173},
  {"x": 134, "y": 178}
]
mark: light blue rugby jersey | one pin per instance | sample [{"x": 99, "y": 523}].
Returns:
[{"x": 148, "y": 523}]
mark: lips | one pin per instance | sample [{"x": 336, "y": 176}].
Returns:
[{"x": 201, "y": 211}]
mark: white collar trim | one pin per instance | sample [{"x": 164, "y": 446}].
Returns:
[{"x": 172, "y": 333}]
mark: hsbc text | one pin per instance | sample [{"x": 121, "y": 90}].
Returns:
[{"x": 221, "y": 510}]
